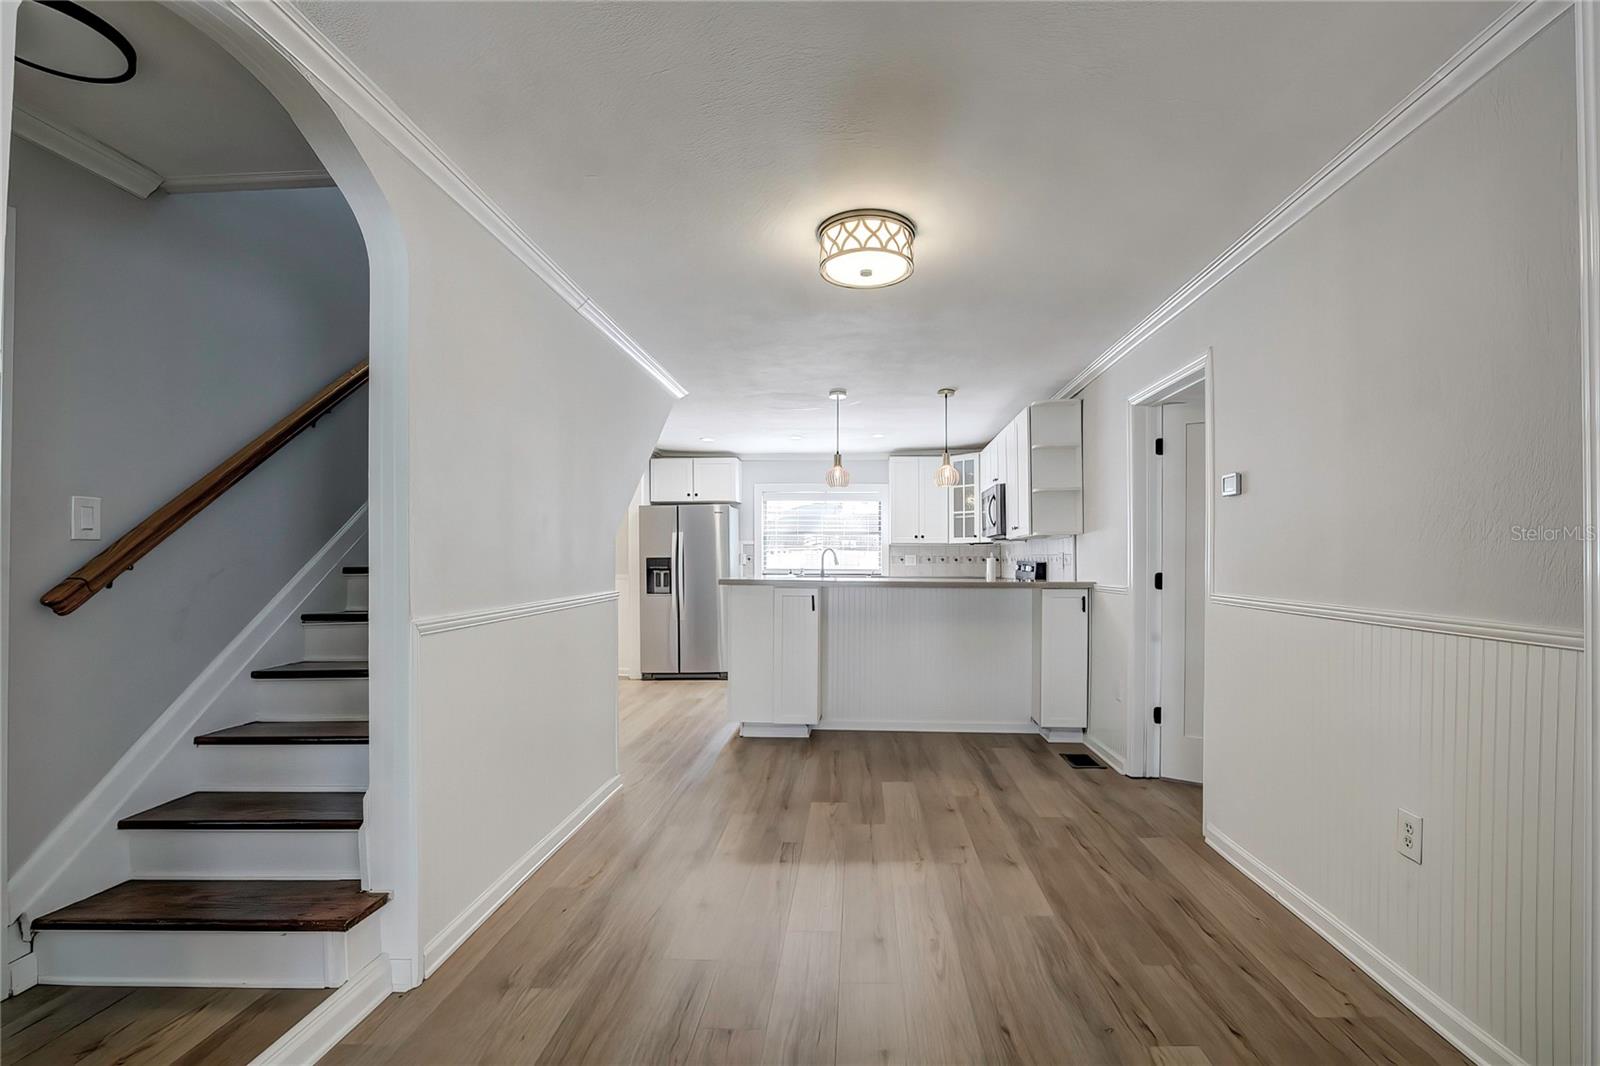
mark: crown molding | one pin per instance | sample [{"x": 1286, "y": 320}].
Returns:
[
  {"x": 76, "y": 146},
  {"x": 247, "y": 181},
  {"x": 1514, "y": 28},
  {"x": 326, "y": 66}
]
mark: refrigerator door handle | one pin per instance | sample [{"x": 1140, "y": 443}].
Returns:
[{"x": 677, "y": 585}]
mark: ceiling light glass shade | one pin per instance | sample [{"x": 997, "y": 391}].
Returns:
[
  {"x": 837, "y": 476},
  {"x": 947, "y": 476},
  {"x": 866, "y": 249}
]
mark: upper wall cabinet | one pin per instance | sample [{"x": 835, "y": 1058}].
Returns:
[
  {"x": 694, "y": 479},
  {"x": 919, "y": 511},
  {"x": 1039, "y": 458}
]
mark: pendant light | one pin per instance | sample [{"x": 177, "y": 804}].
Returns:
[
  {"x": 837, "y": 477},
  {"x": 947, "y": 476}
]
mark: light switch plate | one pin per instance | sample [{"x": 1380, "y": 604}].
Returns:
[
  {"x": 1232, "y": 484},
  {"x": 85, "y": 518}
]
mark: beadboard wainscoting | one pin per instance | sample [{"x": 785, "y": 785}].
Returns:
[
  {"x": 1110, "y": 637},
  {"x": 1323, "y": 727},
  {"x": 864, "y": 627}
]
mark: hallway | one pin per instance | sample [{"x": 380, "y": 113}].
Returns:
[{"x": 883, "y": 897}]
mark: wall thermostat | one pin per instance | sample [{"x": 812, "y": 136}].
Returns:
[{"x": 1232, "y": 484}]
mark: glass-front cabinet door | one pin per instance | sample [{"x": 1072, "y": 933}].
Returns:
[{"x": 964, "y": 500}]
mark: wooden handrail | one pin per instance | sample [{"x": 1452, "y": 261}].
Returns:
[{"x": 98, "y": 573}]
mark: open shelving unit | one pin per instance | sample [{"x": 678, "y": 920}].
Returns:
[{"x": 1056, "y": 466}]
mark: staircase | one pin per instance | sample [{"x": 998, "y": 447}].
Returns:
[{"x": 253, "y": 879}]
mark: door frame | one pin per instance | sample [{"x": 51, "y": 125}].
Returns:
[{"x": 1144, "y": 546}]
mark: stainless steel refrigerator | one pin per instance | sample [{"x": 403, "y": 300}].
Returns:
[{"x": 684, "y": 550}]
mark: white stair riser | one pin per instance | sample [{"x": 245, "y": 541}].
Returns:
[
  {"x": 250, "y": 960},
  {"x": 355, "y": 592},
  {"x": 295, "y": 701},
  {"x": 283, "y": 767},
  {"x": 310, "y": 854},
  {"x": 335, "y": 640}
]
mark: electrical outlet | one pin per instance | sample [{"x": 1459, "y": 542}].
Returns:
[{"x": 1408, "y": 835}]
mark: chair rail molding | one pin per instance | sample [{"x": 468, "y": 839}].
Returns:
[
  {"x": 1514, "y": 28},
  {"x": 1505, "y": 632},
  {"x": 445, "y": 623},
  {"x": 326, "y": 66}
]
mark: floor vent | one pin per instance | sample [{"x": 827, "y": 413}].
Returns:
[{"x": 1081, "y": 761}]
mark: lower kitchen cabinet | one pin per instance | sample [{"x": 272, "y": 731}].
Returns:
[
  {"x": 1063, "y": 657},
  {"x": 774, "y": 653}
]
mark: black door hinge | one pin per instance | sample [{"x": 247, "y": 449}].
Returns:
[
  {"x": 1158, "y": 716},
  {"x": 1158, "y": 580},
  {"x": 1160, "y": 445}
]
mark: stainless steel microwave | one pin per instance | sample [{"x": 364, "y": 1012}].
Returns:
[{"x": 994, "y": 511}]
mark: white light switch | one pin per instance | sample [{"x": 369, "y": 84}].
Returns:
[{"x": 85, "y": 518}]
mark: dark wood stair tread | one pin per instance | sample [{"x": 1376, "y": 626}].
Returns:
[
  {"x": 266, "y": 906},
  {"x": 355, "y": 569},
  {"x": 312, "y": 669},
  {"x": 334, "y": 616},
  {"x": 252, "y": 810},
  {"x": 331, "y": 731}
]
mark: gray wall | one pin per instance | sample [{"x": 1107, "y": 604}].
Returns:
[{"x": 152, "y": 339}]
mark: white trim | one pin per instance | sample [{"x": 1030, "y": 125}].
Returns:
[
  {"x": 1143, "y": 496},
  {"x": 245, "y": 182},
  {"x": 774, "y": 731},
  {"x": 453, "y": 935},
  {"x": 1543, "y": 636},
  {"x": 95, "y": 156},
  {"x": 23, "y": 973},
  {"x": 315, "y": 1035},
  {"x": 1107, "y": 756},
  {"x": 327, "y": 67},
  {"x": 1480, "y": 55},
  {"x": 1586, "y": 33},
  {"x": 94, "y": 818},
  {"x": 894, "y": 725},
  {"x": 1114, "y": 590},
  {"x": 444, "y": 623},
  {"x": 1449, "y": 1022},
  {"x": 1060, "y": 734}
]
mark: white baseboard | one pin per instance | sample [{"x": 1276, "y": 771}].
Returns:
[
  {"x": 315, "y": 1035},
  {"x": 83, "y": 855},
  {"x": 893, "y": 726},
  {"x": 453, "y": 935},
  {"x": 24, "y": 973},
  {"x": 1054, "y": 734},
  {"x": 1105, "y": 754},
  {"x": 774, "y": 731},
  {"x": 1426, "y": 1004}
]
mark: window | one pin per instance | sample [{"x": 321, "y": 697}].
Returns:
[{"x": 798, "y": 523}]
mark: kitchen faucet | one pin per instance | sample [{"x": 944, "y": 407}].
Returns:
[{"x": 823, "y": 560}]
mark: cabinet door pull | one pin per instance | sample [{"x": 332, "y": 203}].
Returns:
[{"x": 813, "y": 601}]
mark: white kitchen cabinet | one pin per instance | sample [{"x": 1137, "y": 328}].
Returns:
[
  {"x": 918, "y": 509},
  {"x": 963, "y": 521},
  {"x": 797, "y": 656},
  {"x": 1063, "y": 658},
  {"x": 694, "y": 479},
  {"x": 1039, "y": 458}
]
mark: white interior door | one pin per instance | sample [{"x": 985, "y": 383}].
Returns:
[{"x": 1183, "y": 542}]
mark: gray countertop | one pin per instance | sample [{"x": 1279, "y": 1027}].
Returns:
[{"x": 907, "y": 582}]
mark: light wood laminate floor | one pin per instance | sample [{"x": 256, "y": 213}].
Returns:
[
  {"x": 90, "y": 1026},
  {"x": 880, "y": 897}
]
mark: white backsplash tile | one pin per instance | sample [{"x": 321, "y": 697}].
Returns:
[{"x": 966, "y": 560}]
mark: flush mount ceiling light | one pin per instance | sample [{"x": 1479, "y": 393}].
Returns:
[
  {"x": 866, "y": 249},
  {"x": 837, "y": 476},
  {"x": 947, "y": 476}
]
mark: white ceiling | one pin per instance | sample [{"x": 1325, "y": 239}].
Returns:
[
  {"x": 1067, "y": 165},
  {"x": 190, "y": 109}
]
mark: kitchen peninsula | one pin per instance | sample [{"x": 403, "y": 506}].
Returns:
[{"x": 907, "y": 654}]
